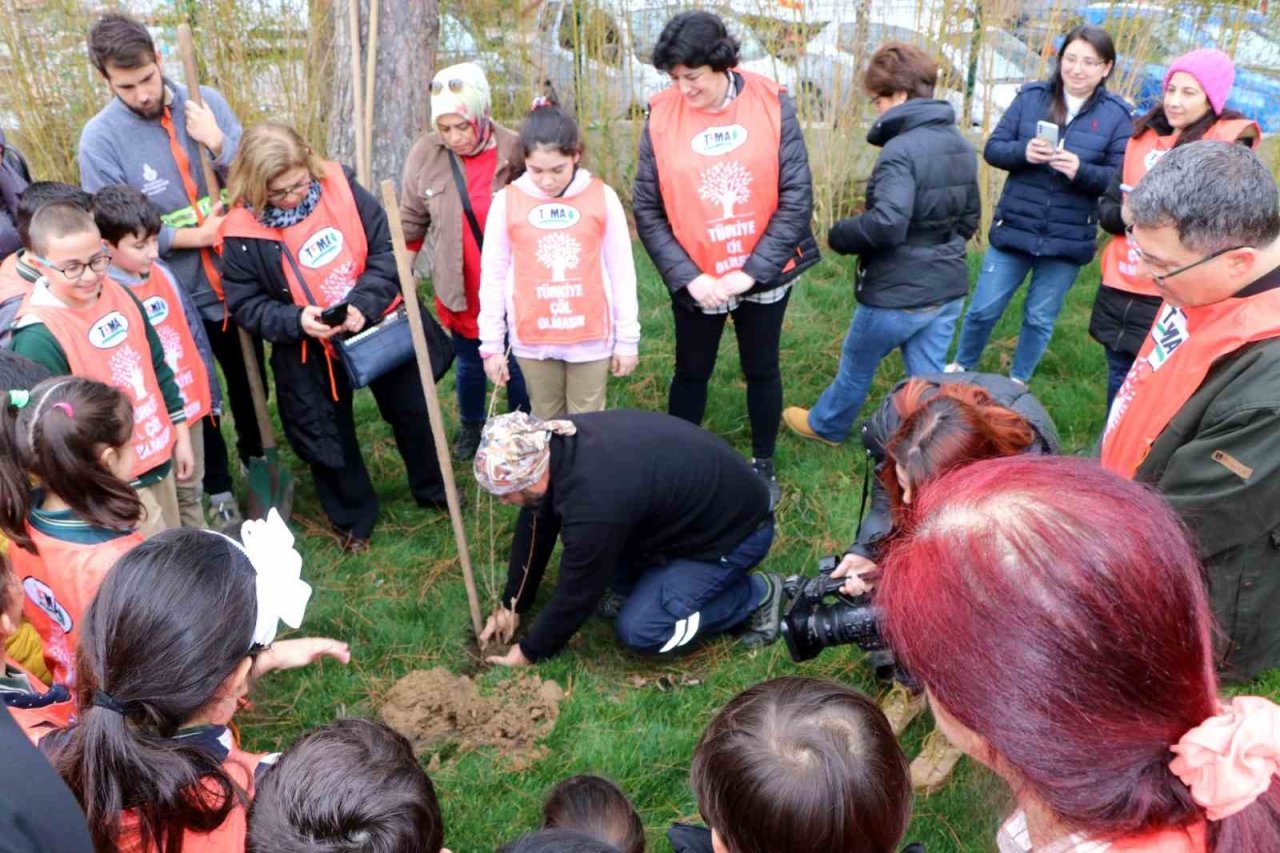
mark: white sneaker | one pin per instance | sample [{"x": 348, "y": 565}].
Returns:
[{"x": 954, "y": 367}]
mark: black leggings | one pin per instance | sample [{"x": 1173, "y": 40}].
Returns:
[{"x": 759, "y": 330}]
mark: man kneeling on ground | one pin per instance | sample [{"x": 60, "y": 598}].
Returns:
[{"x": 655, "y": 514}]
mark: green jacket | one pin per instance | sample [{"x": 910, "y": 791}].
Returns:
[{"x": 1218, "y": 464}]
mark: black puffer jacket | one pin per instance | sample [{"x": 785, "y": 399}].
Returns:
[
  {"x": 258, "y": 296},
  {"x": 789, "y": 235},
  {"x": 923, "y": 206},
  {"x": 880, "y": 427}
]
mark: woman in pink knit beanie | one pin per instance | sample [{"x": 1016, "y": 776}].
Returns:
[{"x": 1193, "y": 106}]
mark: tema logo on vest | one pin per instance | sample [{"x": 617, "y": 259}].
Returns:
[
  {"x": 109, "y": 331},
  {"x": 718, "y": 140},
  {"x": 157, "y": 308},
  {"x": 321, "y": 248},
  {"x": 553, "y": 217},
  {"x": 40, "y": 594}
]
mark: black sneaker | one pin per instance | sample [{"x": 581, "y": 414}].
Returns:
[
  {"x": 467, "y": 441},
  {"x": 224, "y": 516},
  {"x": 761, "y": 627},
  {"x": 610, "y": 605},
  {"x": 764, "y": 468}
]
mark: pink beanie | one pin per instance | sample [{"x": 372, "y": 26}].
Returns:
[{"x": 1213, "y": 70}]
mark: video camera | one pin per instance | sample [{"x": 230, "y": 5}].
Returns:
[{"x": 820, "y": 616}]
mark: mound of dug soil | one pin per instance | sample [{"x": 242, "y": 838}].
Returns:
[{"x": 434, "y": 707}]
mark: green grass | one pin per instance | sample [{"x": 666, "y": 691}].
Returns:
[{"x": 402, "y": 605}]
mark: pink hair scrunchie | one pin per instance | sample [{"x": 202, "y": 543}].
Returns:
[{"x": 1228, "y": 761}]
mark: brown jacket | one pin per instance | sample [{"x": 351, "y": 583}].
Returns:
[{"x": 432, "y": 208}]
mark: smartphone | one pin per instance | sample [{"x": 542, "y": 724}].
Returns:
[
  {"x": 334, "y": 316},
  {"x": 1047, "y": 131}
]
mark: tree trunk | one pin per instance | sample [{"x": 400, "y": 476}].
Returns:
[{"x": 407, "y": 31}]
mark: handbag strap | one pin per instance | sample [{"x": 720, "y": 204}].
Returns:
[
  {"x": 461, "y": 182},
  {"x": 297, "y": 273}
]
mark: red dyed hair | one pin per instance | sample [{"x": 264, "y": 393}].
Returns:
[
  {"x": 1060, "y": 613},
  {"x": 943, "y": 427}
]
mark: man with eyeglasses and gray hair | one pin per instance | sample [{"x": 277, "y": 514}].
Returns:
[{"x": 1198, "y": 416}]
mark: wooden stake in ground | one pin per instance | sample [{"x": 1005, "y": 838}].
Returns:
[
  {"x": 357, "y": 94},
  {"x": 409, "y": 290},
  {"x": 370, "y": 72}
]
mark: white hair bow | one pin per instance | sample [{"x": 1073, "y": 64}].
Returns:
[{"x": 282, "y": 593}]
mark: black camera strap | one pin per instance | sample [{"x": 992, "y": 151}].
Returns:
[
  {"x": 866, "y": 488},
  {"x": 461, "y": 183}
]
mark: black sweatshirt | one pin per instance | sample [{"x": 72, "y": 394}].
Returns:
[{"x": 630, "y": 490}]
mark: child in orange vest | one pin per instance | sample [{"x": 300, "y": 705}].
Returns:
[
  {"x": 36, "y": 708},
  {"x": 72, "y": 435},
  {"x": 152, "y": 758},
  {"x": 557, "y": 277},
  {"x": 130, "y": 224},
  {"x": 78, "y": 321}
]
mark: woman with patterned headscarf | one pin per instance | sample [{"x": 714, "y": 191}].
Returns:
[{"x": 451, "y": 175}]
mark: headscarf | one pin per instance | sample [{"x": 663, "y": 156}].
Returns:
[
  {"x": 515, "y": 451},
  {"x": 11, "y": 186},
  {"x": 471, "y": 100}
]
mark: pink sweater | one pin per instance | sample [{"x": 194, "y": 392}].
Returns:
[{"x": 497, "y": 282}]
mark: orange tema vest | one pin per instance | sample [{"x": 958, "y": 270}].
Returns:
[
  {"x": 230, "y": 836},
  {"x": 1121, "y": 267},
  {"x": 1179, "y": 352},
  {"x": 108, "y": 342},
  {"x": 159, "y": 296},
  {"x": 329, "y": 245},
  {"x": 718, "y": 172},
  {"x": 60, "y": 581},
  {"x": 38, "y": 722},
  {"x": 12, "y": 285},
  {"x": 559, "y": 295}
]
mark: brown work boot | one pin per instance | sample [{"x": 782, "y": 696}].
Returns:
[
  {"x": 933, "y": 766},
  {"x": 797, "y": 420},
  {"x": 901, "y": 706}
]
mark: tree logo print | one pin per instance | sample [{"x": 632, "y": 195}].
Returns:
[
  {"x": 171, "y": 341},
  {"x": 126, "y": 370},
  {"x": 726, "y": 184},
  {"x": 558, "y": 253}
]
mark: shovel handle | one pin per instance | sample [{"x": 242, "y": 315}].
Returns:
[{"x": 257, "y": 392}]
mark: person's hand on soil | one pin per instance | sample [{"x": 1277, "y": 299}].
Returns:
[
  {"x": 495, "y": 367},
  {"x": 623, "y": 365},
  {"x": 513, "y": 658},
  {"x": 313, "y": 326},
  {"x": 355, "y": 320},
  {"x": 501, "y": 626},
  {"x": 706, "y": 291},
  {"x": 1065, "y": 162},
  {"x": 853, "y": 567},
  {"x": 1039, "y": 151},
  {"x": 202, "y": 126},
  {"x": 292, "y": 654}
]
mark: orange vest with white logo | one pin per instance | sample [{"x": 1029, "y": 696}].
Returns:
[
  {"x": 108, "y": 342},
  {"x": 159, "y": 297},
  {"x": 12, "y": 285},
  {"x": 38, "y": 722},
  {"x": 558, "y": 295},
  {"x": 329, "y": 245},
  {"x": 1183, "y": 345},
  {"x": 230, "y": 836},
  {"x": 60, "y": 580},
  {"x": 718, "y": 171},
  {"x": 1121, "y": 267}
]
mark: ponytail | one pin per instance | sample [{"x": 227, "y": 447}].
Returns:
[
  {"x": 1257, "y": 827},
  {"x": 123, "y": 754},
  {"x": 15, "y": 488}
]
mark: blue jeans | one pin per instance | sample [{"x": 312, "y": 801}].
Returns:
[
  {"x": 1002, "y": 274},
  {"x": 676, "y": 601},
  {"x": 1118, "y": 364},
  {"x": 471, "y": 384},
  {"x": 923, "y": 334}
]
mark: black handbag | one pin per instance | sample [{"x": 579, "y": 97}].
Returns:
[{"x": 387, "y": 344}]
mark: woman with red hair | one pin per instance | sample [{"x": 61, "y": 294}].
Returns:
[
  {"x": 925, "y": 427},
  {"x": 1058, "y": 620}
]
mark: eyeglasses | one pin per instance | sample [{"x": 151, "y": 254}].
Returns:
[
  {"x": 1160, "y": 279},
  {"x": 1087, "y": 61},
  {"x": 455, "y": 86},
  {"x": 74, "y": 270},
  {"x": 281, "y": 195}
]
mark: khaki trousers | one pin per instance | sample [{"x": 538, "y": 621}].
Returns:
[
  {"x": 159, "y": 507},
  {"x": 558, "y": 388},
  {"x": 191, "y": 492}
]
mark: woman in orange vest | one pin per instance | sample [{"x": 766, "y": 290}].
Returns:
[
  {"x": 1193, "y": 107},
  {"x": 557, "y": 276},
  {"x": 36, "y": 708},
  {"x": 153, "y": 758},
  {"x": 304, "y": 237},
  {"x": 74, "y": 436},
  {"x": 723, "y": 201}
]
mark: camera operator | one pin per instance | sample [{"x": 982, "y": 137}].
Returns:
[{"x": 925, "y": 427}]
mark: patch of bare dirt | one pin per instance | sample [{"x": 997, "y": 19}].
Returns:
[{"x": 434, "y": 708}]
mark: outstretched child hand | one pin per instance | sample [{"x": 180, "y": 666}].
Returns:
[{"x": 292, "y": 654}]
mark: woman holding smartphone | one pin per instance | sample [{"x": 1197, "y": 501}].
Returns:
[
  {"x": 1061, "y": 141},
  {"x": 307, "y": 256}
]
